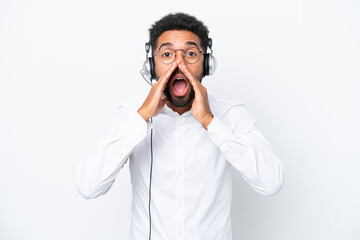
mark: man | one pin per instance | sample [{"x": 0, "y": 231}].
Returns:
[{"x": 181, "y": 144}]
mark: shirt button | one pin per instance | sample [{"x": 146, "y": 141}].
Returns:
[
  {"x": 180, "y": 233},
  {"x": 179, "y": 173}
]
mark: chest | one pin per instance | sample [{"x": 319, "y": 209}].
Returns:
[{"x": 179, "y": 145}]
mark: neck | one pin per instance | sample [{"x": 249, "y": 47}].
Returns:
[{"x": 179, "y": 110}]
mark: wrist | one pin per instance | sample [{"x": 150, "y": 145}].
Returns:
[
  {"x": 207, "y": 120},
  {"x": 143, "y": 115}
]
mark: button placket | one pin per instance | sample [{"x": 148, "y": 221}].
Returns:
[{"x": 180, "y": 158}]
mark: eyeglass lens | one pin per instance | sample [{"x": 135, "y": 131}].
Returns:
[{"x": 167, "y": 55}]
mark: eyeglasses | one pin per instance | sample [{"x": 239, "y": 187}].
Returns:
[{"x": 167, "y": 55}]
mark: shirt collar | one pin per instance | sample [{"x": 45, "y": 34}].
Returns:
[{"x": 168, "y": 111}]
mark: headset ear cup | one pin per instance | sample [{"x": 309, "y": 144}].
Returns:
[
  {"x": 212, "y": 65},
  {"x": 152, "y": 68},
  {"x": 206, "y": 65}
]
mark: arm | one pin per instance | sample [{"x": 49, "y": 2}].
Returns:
[
  {"x": 97, "y": 173},
  {"x": 243, "y": 145},
  {"x": 247, "y": 150}
]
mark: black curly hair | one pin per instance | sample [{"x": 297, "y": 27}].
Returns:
[{"x": 179, "y": 21}]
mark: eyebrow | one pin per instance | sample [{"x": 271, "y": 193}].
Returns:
[
  {"x": 192, "y": 44},
  {"x": 169, "y": 44}
]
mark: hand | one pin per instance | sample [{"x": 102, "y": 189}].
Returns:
[
  {"x": 156, "y": 100},
  {"x": 200, "y": 106}
]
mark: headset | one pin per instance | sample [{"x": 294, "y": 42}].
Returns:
[
  {"x": 148, "y": 73},
  {"x": 148, "y": 69}
]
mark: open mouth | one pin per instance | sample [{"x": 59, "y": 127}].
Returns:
[{"x": 179, "y": 84}]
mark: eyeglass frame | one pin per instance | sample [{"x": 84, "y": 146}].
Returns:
[{"x": 183, "y": 51}]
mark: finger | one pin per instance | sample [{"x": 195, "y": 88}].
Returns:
[
  {"x": 161, "y": 83},
  {"x": 195, "y": 82},
  {"x": 163, "y": 80}
]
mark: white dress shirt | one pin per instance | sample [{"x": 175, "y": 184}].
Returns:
[{"x": 191, "y": 187}]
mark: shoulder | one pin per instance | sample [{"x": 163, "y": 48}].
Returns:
[
  {"x": 232, "y": 112},
  {"x": 130, "y": 105},
  {"x": 221, "y": 106},
  {"x": 123, "y": 112}
]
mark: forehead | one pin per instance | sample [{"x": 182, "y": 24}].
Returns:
[{"x": 178, "y": 38}]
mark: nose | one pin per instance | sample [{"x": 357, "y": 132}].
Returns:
[{"x": 179, "y": 56}]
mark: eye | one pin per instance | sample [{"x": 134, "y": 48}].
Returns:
[
  {"x": 166, "y": 53},
  {"x": 192, "y": 53}
]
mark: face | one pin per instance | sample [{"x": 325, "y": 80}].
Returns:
[{"x": 178, "y": 90}]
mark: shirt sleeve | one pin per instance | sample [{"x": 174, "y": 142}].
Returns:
[
  {"x": 245, "y": 147},
  {"x": 97, "y": 173}
]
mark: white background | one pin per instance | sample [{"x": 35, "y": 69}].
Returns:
[{"x": 66, "y": 65}]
